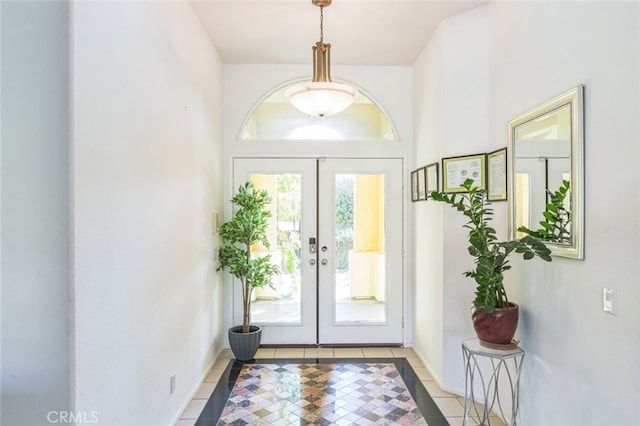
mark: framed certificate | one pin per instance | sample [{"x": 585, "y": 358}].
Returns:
[
  {"x": 419, "y": 184},
  {"x": 455, "y": 170},
  {"x": 497, "y": 175},
  {"x": 433, "y": 178},
  {"x": 414, "y": 185},
  {"x": 422, "y": 184}
]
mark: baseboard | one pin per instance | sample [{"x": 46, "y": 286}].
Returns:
[
  {"x": 455, "y": 391},
  {"x": 197, "y": 387}
]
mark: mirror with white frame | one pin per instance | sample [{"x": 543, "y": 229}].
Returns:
[{"x": 546, "y": 146}]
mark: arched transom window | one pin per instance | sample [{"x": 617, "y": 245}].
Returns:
[{"x": 275, "y": 118}]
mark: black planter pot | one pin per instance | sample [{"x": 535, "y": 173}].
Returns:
[{"x": 245, "y": 345}]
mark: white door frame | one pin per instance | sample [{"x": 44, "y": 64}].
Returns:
[
  {"x": 389, "y": 331},
  {"x": 407, "y": 290},
  {"x": 304, "y": 332}
]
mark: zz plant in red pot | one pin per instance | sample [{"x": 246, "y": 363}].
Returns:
[{"x": 491, "y": 261}]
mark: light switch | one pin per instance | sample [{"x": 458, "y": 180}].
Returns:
[
  {"x": 608, "y": 301},
  {"x": 215, "y": 223}
]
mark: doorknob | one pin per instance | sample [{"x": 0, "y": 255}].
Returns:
[{"x": 324, "y": 261}]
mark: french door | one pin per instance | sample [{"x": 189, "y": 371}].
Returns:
[{"x": 336, "y": 234}]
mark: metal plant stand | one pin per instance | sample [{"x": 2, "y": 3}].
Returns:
[{"x": 503, "y": 362}]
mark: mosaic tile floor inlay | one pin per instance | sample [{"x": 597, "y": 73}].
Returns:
[{"x": 321, "y": 394}]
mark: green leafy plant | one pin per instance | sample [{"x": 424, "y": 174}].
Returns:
[
  {"x": 491, "y": 255},
  {"x": 247, "y": 227},
  {"x": 555, "y": 226}
]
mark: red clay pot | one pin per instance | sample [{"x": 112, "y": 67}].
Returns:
[{"x": 498, "y": 327}]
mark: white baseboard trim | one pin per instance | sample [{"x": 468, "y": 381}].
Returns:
[{"x": 195, "y": 390}]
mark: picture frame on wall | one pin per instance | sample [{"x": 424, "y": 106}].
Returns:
[
  {"x": 455, "y": 170},
  {"x": 497, "y": 175},
  {"x": 422, "y": 184},
  {"x": 433, "y": 178},
  {"x": 418, "y": 184},
  {"x": 414, "y": 186}
]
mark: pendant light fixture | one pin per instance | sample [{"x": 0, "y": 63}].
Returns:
[{"x": 321, "y": 96}]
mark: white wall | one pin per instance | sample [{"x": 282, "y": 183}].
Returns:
[
  {"x": 147, "y": 178},
  {"x": 581, "y": 365},
  {"x": 427, "y": 240},
  {"x": 638, "y": 220},
  {"x": 35, "y": 223},
  {"x": 451, "y": 107}
]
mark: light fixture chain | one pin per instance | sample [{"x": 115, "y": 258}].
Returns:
[{"x": 321, "y": 24}]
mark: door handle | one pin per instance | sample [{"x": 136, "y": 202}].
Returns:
[
  {"x": 312, "y": 262},
  {"x": 324, "y": 261}
]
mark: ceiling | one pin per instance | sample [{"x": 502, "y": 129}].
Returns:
[{"x": 372, "y": 32}]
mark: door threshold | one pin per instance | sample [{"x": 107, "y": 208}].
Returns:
[{"x": 336, "y": 345}]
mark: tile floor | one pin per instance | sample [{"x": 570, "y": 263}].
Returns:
[
  {"x": 318, "y": 391},
  {"x": 451, "y": 406}
]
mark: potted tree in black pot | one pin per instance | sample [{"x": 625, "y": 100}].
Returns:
[
  {"x": 495, "y": 317},
  {"x": 247, "y": 227}
]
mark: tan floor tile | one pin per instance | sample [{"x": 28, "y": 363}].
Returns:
[
  {"x": 265, "y": 353},
  {"x": 415, "y": 362},
  {"x": 226, "y": 354},
  {"x": 318, "y": 352},
  {"x": 214, "y": 375},
  {"x": 289, "y": 353},
  {"x": 182, "y": 422},
  {"x": 422, "y": 373},
  {"x": 194, "y": 409},
  {"x": 476, "y": 410},
  {"x": 205, "y": 390},
  {"x": 221, "y": 363},
  {"x": 377, "y": 352},
  {"x": 435, "y": 391},
  {"x": 348, "y": 353},
  {"x": 450, "y": 407},
  {"x": 496, "y": 421},
  {"x": 403, "y": 352},
  {"x": 455, "y": 421}
]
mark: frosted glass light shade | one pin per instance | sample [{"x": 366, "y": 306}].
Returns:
[{"x": 321, "y": 98}]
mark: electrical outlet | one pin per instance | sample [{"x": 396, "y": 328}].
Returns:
[
  {"x": 608, "y": 301},
  {"x": 172, "y": 383}
]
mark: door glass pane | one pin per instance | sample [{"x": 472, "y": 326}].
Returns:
[
  {"x": 360, "y": 286},
  {"x": 282, "y": 303}
]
